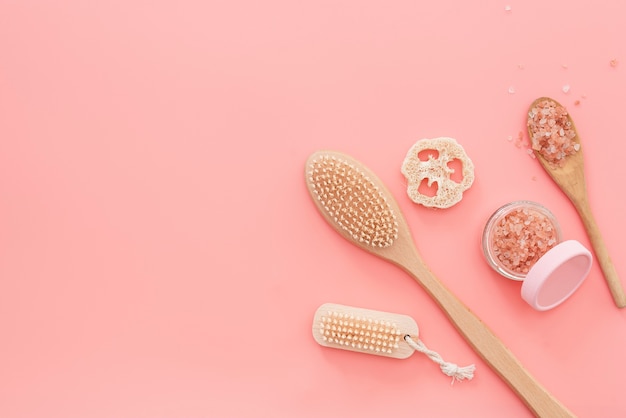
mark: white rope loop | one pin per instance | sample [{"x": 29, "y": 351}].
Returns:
[{"x": 449, "y": 369}]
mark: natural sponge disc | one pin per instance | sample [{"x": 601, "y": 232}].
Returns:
[{"x": 436, "y": 169}]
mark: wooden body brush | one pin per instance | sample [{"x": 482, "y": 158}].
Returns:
[{"x": 359, "y": 206}]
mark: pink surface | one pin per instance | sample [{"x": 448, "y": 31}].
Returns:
[{"x": 159, "y": 253}]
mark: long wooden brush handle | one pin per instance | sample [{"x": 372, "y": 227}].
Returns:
[
  {"x": 488, "y": 346},
  {"x": 602, "y": 254}
]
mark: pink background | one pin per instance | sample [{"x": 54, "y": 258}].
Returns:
[{"x": 159, "y": 253}]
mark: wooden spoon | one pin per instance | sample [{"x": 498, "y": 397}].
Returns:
[
  {"x": 360, "y": 208},
  {"x": 570, "y": 178}
]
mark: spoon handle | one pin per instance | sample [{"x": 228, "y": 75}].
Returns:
[
  {"x": 602, "y": 254},
  {"x": 488, "y": 345}
]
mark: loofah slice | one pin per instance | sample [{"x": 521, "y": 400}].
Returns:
[{"x": 437, "y": 170}]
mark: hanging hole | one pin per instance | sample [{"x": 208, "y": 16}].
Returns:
[
  {"x": 424, "y": 155},
  {"x": 457, "y": 166},
  {"x": 426, "y": 190}
]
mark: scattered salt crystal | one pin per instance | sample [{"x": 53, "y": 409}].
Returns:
[
  {"x": 511, "y": 90},
  {"x": 507, "y": 8},
  {"x": 566, "y": 88},
  {"x": 510, "y": 138}
]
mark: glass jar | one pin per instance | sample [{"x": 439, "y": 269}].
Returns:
[
  {"x": 522, "y": 241},
  {"x": 517, "y": 235}
]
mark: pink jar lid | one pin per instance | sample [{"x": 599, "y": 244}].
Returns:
[{"x": 556, "y": 275}]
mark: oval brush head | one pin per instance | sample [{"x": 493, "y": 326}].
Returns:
[
  {"x": 364, "y": 330},
  {"x": 347, "y": 195}
]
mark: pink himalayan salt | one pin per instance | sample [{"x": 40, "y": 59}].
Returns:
[
  {"x": 521, "y": 237},
  {"x": 519, "y": 140},
  {"x": 551, "y": 131}
]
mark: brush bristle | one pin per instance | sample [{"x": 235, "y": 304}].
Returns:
[
  {"x": 364, "y": 330},
  {"x": 361, "y": 333},
  {"x": 353, "y": 201}
]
